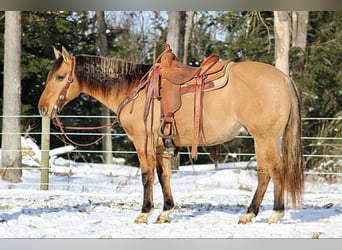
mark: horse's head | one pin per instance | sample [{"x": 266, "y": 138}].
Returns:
[{"x": 61, "y": 85}]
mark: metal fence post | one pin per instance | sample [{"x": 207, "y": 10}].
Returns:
[{"x": 45, "y": 142}]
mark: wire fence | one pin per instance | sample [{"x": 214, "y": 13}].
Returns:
[{"x": 317, "y": 141}]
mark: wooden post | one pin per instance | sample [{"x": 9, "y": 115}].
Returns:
[{"x": 45, "y": 142}]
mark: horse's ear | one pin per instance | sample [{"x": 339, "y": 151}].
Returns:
[
  {"x": 58, "y": 54},
  {"x": 66, "y": 55}
]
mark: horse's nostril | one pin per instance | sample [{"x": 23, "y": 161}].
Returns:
[{"x": 43, "y": 110}]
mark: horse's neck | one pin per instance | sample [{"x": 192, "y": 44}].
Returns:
[
  {"x": 111, "y": 99},
  {"x": 107, "y": 79}
]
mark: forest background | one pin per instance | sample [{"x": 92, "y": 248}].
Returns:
[{"x": 139, "y": 36}]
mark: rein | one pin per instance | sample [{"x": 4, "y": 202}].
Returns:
[{"x": 57, "y": 122}]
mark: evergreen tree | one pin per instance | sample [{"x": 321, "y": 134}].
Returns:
[
  {"x": 237, "y": 35},
  {"x": 320, "y": 83}
]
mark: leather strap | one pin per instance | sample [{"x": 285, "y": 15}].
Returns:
[
  {"x": 197, "y": 115},
  {"x": 60, "y": 102},
  {"x": 62, "y": 95},
  {"x": 152, "y": 91}
]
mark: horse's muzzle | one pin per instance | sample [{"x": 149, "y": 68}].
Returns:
[{"x": 44, "y": 111}]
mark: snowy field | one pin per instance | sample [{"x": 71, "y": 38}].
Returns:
[{"x": 102, "y": 201}]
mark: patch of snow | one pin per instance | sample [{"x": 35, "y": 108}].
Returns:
[{"x": 102, "y": 200}]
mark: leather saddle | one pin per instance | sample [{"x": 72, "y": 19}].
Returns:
[
  {"x": 170, "y": 79},
  {"x": 175, "y": 76},
  {"x": 179, "y": 73}
]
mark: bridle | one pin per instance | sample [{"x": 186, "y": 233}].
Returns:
[
  {"x": 59, "y": 105},
  {"x": 130, "y": 98},
  {"x": 62, "y": 95}
]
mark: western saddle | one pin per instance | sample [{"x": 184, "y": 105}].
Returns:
[{"x": 170, "y": 79}]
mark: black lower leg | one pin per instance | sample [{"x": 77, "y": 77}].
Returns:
[
  {"x": 253, "y": 207},
  {"x": 278, "y": 198},
  {"x": 164, "y": 180},
  {"x": 148, "y": 200},
  {"x": 168, "y": 200},
  {"x": 263, "y": 181}
]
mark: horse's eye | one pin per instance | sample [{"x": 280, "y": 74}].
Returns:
[{"x": 60, "y": 77}]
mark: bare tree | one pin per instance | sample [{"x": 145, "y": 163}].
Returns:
[
  {"x": 175, "y": 37},
  {"x": 103, "y": 51},
  {"x": 155, "y": 37},
  {"x": 11, "y": 140},
  {"x": 300, "y": 21},
  {"x": 175, "y": 32},
  {"x": 282, "y": 40},
  {"x": 188, "y": 29},
  {"x": 299, "y": 28}
]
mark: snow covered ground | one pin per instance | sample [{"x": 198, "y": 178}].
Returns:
[{"x": 102, "y": 201}]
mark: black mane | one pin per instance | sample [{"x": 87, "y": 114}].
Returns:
[{"x": 103, "y": 72}]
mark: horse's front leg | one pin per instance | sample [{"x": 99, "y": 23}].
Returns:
[
  {"x": 164, "y": 174},
  {"x": 147, "y": 165}
]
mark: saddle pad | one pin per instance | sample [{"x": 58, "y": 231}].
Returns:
[{"x": 209, "y": 84}]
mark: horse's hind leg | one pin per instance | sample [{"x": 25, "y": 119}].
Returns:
[
  {"x": 253, "y": 209},
  {"x": 269, "y": 166},
  {"x": 164, "y": 175},
  {"x": 277, "y": 175}
]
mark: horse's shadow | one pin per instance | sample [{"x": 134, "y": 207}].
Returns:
[
  {"x": 306, "y": 214},
  {"x": 81, "y": 208},
  {"x": 310, "y": 213},
  {"x": 187, "y": 211}
]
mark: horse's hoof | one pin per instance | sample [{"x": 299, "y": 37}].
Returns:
[
  {"x": 164, "y": 217},
  {"x": 275, "y": 217},
  {"x": 161, "y": 220},
  {"x": 142, "y": 218},
  {"x": 247, "y": 218}
]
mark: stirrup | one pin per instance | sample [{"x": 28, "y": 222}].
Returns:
[{"x": 161, "y": 131}]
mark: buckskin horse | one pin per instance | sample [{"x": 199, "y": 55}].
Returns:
[{"x": 257, "y": 97}]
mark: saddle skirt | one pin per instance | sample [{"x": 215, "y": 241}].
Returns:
[{"x": 212, "y": 82}]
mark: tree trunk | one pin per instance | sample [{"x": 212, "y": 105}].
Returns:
[
  {"x": 282, "y": 40},
  {"x": 299, "y": 35},
  {"x": 103, "y": 51},
  {"x": 175, "y": 37},
  {"x": 299, "y": 28},
  {"x": 11, "y": 139},
  {"x": 155, "y": 17},
  {"x": 175, "y": 32},
  {"x": 188, "y": 29}
]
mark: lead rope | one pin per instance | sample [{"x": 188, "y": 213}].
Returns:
[{"x": 57, "y": 122}]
